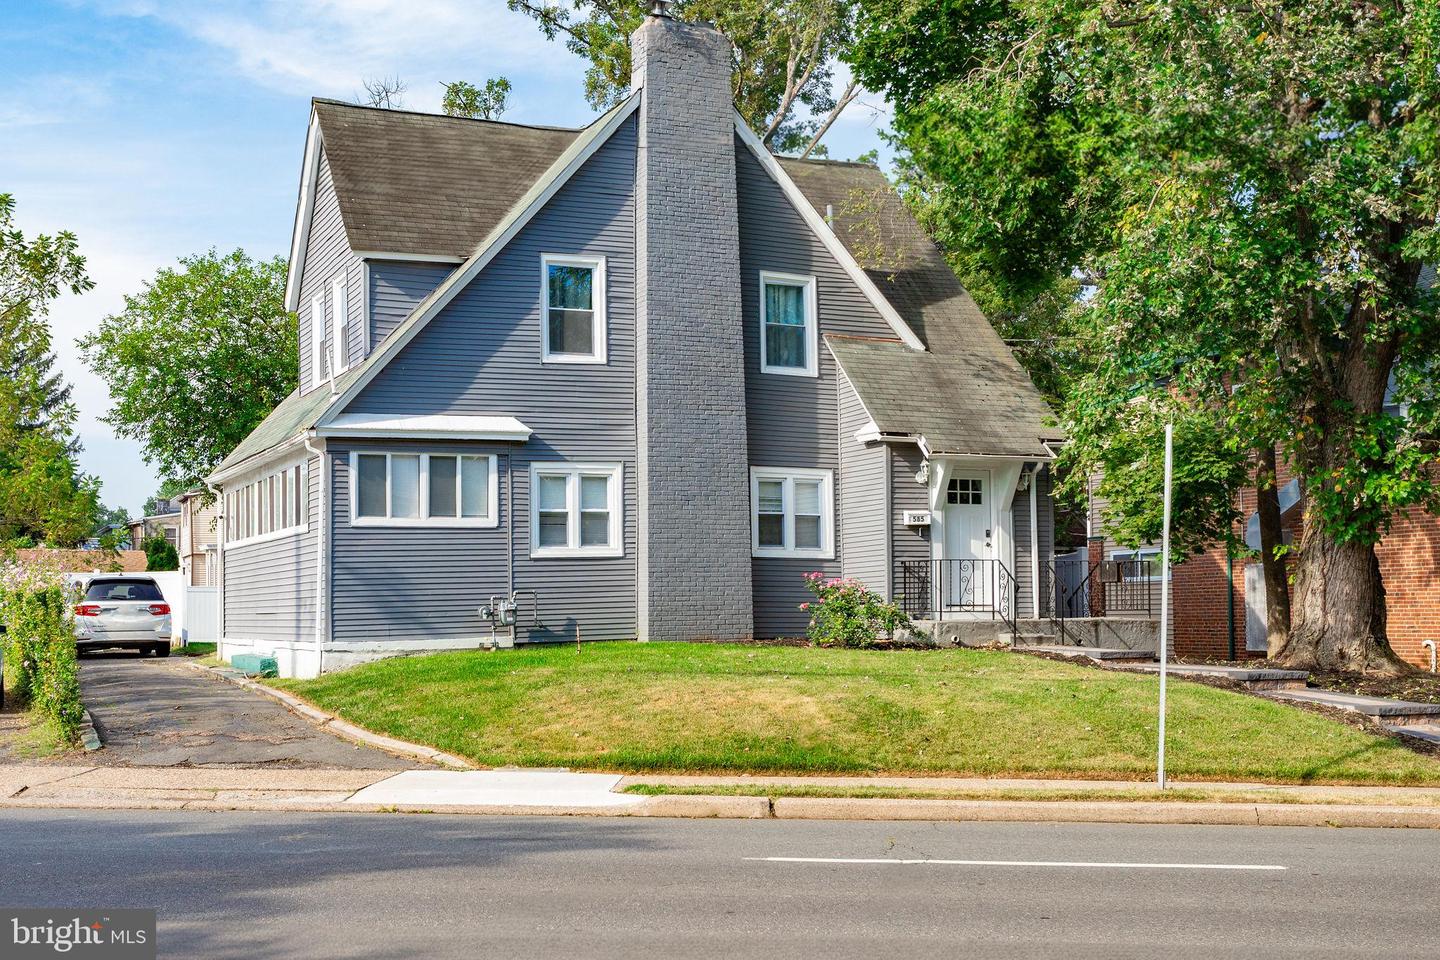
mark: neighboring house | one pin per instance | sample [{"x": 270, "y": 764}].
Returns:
[
  {"x": 198, "y": 538},
  {"x": 1219, "y": 600},
  {"x": 163, "y": 524},
  {"x": 638, "y": 369}
]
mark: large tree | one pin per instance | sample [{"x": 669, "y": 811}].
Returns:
[
  {"x": 785, "y": 56},
  {"x": 196, "y": 359},
  {"x": 1249, "y": 191},
  {"x": 43, "y": 495}
]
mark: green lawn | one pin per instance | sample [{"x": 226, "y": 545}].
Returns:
[{"x": 671, "y": 707}]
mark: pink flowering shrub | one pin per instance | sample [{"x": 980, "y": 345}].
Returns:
[{"x": 845, "y": 614}]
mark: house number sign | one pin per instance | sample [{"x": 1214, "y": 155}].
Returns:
[{"x": 917, "y": 518}]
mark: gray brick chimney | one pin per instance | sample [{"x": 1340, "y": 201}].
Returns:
[{"x": 694, "y": 511}]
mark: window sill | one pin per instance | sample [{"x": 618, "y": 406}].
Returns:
[
  {"x": 791, "y": 371},
  {"x": 572, "y": 359},
  {"x": 779, "y": 553},
  {"x": 442, "y": 523},
  {"x": 575, "y": 553}
]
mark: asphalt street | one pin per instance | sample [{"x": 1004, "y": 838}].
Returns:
[{"x": 390, "y": 885}]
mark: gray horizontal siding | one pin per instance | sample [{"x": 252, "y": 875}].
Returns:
[
  {"x": 395, "y": 289},
  {"x": 793, "y": 421},
  {"x": 863, "y": 503},
  {"x": 1045, "y": 529},
  {"x": 328, "y": 257},
  {"x": 907, "y": 543},
  {"x": 481, "y": 355},
  {"x": 270, "y": 586},
  {"x": 414, "y": 583}
]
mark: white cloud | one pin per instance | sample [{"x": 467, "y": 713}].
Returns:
[{"x": 328, "y": 48}]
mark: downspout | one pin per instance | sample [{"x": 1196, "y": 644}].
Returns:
[
  {"x": 1035, "y": 542},
  {"x": 1430, "y": 645},
  {"x": 1230, "y": 599},
  {"x": 219, "y": 574},
  {"x": 321, "y": 545}
]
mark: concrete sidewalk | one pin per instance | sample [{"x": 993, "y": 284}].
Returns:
[{"x": 532, "y": 792}]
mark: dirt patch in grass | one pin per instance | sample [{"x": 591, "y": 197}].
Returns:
[{"x": 27, "y": 737}]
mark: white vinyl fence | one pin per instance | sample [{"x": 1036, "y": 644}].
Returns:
[{"x": 202, "y": 615}]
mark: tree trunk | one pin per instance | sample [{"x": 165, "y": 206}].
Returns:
[
  {"x": 1272, "y": 537},
  {"x": 1339, "y": 621}
]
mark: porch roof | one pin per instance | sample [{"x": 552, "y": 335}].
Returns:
[{"x": 959, "y": 404}]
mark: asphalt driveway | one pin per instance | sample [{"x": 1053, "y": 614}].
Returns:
[{"x": 161, "y": 713}]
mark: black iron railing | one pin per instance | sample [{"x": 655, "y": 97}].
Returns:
[
  {"x": 1083, "y": 588},
  {"x": 955, "y": 589}
]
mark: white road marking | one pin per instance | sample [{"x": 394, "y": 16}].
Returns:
[{"x": 1027, "y": 863}]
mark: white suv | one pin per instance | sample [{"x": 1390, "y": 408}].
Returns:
[{"x": 128, "y": 612}]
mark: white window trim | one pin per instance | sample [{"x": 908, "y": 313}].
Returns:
[
  {"x": 812, "y": 324},
  {"x": 572, "y": 472},
  {"x": 241, "y": 491},
  {"x": 597, "y": 291},
  {"x": 788, "y": 475},
  {"x": 490, "y": 520},
  {"x": 317, "y": 339},
  {"x": 1143, "y": 553},
  {"x": 339, "y": 343}
]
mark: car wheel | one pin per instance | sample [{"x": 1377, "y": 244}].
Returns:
[{"x": 162, "y": 649}]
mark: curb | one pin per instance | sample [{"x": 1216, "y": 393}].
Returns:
[
  {"x": 698, "y": 807},
  {"x": 331, "y": 722},
  {"x": 1037, "y": 811},
  {"x": 89, "y": 736}
]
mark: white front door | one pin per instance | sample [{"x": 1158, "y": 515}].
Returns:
[{"x": 966, "y": 575}]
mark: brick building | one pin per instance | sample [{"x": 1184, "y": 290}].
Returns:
[{"x": 1219, "y": 604}]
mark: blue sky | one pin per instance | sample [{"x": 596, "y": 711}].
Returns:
[{"x": 154, "y": 130}]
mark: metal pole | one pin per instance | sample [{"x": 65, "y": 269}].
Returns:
[{"x": 1165, "y": 598}]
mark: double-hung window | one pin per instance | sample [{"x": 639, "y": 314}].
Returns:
[
  {"x": 789, "y": 337},
  {"x": 340, "y": 343},
  {"x": 792, "y": 512},
  {"x": 423, "y": 489},
  {"x": 572, "y": 324},
  {"x": 575, "y": 510}
]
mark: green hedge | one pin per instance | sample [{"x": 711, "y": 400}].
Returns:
[{"x": 41, "y": 668}]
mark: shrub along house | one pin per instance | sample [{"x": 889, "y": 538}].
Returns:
[{"x": 633, "y": 375}]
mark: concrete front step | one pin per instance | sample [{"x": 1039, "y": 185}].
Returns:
[
  {"x": 1255, "y": 678},
  {"x": 1099, "y": 654},
  {"x": 1397, "y": 713}
]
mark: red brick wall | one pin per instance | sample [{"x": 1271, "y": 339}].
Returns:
[{"x": 1409, "y": 565}]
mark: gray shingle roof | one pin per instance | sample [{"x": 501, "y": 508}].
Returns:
[
  {"x": 972, "y": 405},
  {"x": 414, "y": 183},
  {"x": 418, "y": 183}
]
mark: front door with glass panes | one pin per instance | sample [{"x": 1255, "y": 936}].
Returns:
[{"x": 965, "y": 575}]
